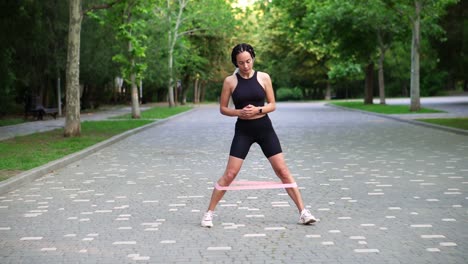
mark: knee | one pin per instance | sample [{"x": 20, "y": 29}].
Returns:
[
  {"x": 230, "y": 175},
  {"x": 283, "y": 172}
]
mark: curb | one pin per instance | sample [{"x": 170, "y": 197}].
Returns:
[
  {"x": 30, "y": 175},
  {"x": 408, "y": 121}
]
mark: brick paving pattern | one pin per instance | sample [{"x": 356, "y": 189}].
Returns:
[{"x": 385, "y": 192}]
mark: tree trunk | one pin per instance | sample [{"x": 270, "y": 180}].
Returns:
[
  {"x": 185, "y": 88},
  {"x": 202, "y": 91},
  {"x": 170, "y": 84},
  {"x": 72, "y": 120},
  {"x": 369, "y": 89},
  {"x": 328, "y": 91},
  {"x": 135, "y": 105},
  {"x": 383, "y": 49},
  {"x": 196, "y": 90},
  {"x": 173, "y": 36},
  {"x": 381, "y": 77},
  {"x": 415, "y": 49}
]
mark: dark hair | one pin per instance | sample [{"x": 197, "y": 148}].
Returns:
[{"x": 239, "y": 49}]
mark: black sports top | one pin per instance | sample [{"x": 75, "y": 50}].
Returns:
[{"x": 248, "y": 91}]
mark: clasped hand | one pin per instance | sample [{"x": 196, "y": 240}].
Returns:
[{"x": 248, "y": 111}]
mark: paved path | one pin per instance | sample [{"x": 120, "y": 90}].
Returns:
[{"x": 385, "y": 191}]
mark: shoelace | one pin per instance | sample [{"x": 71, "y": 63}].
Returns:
[
  {"x": 208, "y": 216},
  {"x": 306, "y": 213}
]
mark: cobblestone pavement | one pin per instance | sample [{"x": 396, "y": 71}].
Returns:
[{"x": 385, "y": 192}]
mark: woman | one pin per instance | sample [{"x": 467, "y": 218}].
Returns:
[{"x": 249, "y": 89}]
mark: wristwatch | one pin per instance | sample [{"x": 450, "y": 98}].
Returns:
[{"x": 260, "y": 111}]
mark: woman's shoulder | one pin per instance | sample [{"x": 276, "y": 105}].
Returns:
[
  {"x": 230, "y": 80},
  {"x": 263, "y": 75}
]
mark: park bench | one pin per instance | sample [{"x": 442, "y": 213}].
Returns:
[{"x": 37, "y": 110}]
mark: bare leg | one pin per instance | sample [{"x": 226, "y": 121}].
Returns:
[
  {"x": 232, "y": 169},
  {"x": 281, "y": 169}
]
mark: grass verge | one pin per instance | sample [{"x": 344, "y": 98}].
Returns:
[
  {"x": 157, "y": 112},
  {"x": 384, "y": 109},
  {"x": 460, "y": 123},
  {"x": 26, "y": 152},
  {"x": 11, "y": 121}
]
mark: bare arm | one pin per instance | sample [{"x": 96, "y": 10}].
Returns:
[
  {"x": 228, "y": 86},
  {"x": 265, "y": 80}
]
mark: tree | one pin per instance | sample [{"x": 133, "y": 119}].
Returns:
[
  {"x": 129, "y": 20},
  {"x": 347, "y": 29},
  {"x": 31, "y": 54},
  {"x": 417, "y": 12},
  {"x": 453, "y": 45},
  {"x": 97, "y": 69},
  {"x": 72, "y": 120},
  {"x": 284, "y": 44},
  {"x": 189, "y": 18},
  {"x": 173, "y": 35}
]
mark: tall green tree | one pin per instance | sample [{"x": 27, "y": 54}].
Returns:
[
  {"x": 453, "y": 46},
  {"x": 417, "y": 12},
  {"x": 129, "y": 20},
  {"x": 187, "y": 18},
  {"x": 282, "y": 47},
  {"x": 31, "y": 54},
  {"x": 76, "y": 14},
  {"x": 97, "y": 69},
  {"x": 352, "y": 30}
]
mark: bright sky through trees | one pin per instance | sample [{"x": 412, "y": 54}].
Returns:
[{"x": 244, "y": 3}]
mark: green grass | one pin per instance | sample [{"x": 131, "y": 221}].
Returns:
[
  {"x": 27, "y": 152},
  {"x": 11, "y": 121},
  {"x": 158, "y": 112},
  {"x": 461, "y": 123},
  {"x": 384, "y": 109}
]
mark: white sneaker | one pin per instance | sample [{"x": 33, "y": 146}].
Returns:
[
  {"x": 307, "y": 218},
  {"x": 207, "y": 220}
]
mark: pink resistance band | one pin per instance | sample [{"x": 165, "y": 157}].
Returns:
[{"x": 254, "y": 185}]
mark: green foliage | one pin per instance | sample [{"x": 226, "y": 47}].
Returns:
[
  {"x": 97, "y": 69},
  {"x": 451, "y": 47},
  {"x": 347, "y": 70},
  {"x": 301, "y": 43},
  {"x": 7, "y": 79},
  {"x": 31, "y": 52},
  {"x": 128, "y": 20},
  {"x": 11, "y": 121},
  {"x": 291, "y": 60},
  {"x": 289, "y": 94}
]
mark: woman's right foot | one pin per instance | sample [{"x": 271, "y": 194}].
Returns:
[{"x": 207, "y": 220}]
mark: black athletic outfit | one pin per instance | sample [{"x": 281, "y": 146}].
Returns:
[{"x": 260, "y": 130}]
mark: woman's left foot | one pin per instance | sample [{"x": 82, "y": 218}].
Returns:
[
  {"x": 207, "y": 220},
  {"x": 307, "y": 218}
]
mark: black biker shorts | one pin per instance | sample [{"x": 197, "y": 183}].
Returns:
[{"x": 258, "y": 131}]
